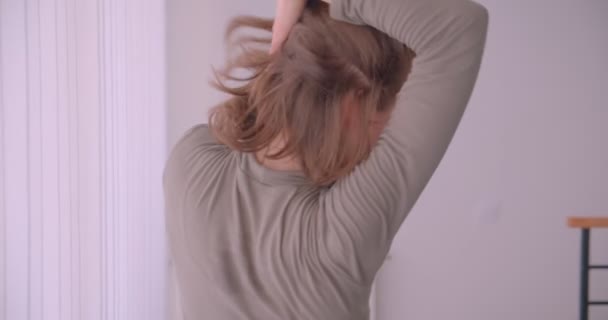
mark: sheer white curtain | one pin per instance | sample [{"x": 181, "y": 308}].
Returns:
[{"x": 82, "y": 145}]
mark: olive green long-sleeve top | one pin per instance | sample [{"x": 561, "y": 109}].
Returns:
[{"x": 249, "y": 242}]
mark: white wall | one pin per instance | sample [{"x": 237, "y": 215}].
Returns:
[{"x": 488, "y": 238}]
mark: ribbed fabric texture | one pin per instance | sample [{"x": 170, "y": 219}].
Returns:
[{"x": 249, "y": 242}]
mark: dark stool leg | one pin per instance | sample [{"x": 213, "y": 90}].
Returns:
[{"x": 584, "y": 296}]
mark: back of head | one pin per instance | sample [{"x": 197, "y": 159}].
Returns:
[{"x": 299, "y": 92}]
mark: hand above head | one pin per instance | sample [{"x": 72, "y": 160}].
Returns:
[{"x": 287, "y": 14}]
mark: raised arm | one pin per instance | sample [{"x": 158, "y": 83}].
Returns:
[{"x": 364, "y": 210}]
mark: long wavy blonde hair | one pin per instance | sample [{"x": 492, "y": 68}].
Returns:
[{"x": 298, "y": 91}]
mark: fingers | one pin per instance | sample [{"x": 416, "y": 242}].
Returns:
[{"x": 288, "y": 13}]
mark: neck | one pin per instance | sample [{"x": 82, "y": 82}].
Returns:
[{"x": 290, "y": 163}]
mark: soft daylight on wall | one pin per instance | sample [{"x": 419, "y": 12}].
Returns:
[{"x": 82, "y": 143}]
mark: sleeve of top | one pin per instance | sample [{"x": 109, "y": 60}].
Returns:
[{"x": 364, "y": 210}]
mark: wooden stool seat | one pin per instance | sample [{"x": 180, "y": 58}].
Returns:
[
  {"x": 585, "y": 224},
  {"x": 588, "y": 222}
]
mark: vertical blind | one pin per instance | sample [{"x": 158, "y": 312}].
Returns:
[{"x": 82, "y": 145}]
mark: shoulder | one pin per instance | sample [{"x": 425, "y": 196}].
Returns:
[
  {"x": 198, "y": 134},
  {"x": 196, "y": 139},
  {"x": 193, "y": 151}
]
